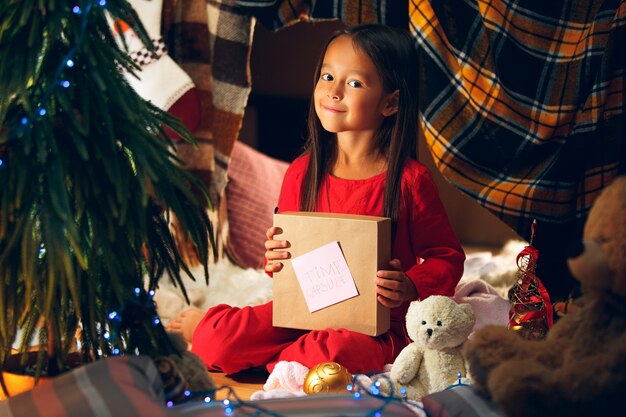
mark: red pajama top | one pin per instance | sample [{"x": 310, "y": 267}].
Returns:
[{"x": 425, "y": 243}]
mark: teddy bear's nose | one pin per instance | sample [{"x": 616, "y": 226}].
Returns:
[{"x": 430, "y": 332}]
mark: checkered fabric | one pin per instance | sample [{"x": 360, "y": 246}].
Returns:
[
  {"x": 280, "y": 13},
  {"x": 144, "y": 57},
  {"x": 522, "y": 102},
  {"x": 210, "y": 40}
]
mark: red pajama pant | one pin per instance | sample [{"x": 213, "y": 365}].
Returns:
[{"x": 231, "y": 339}]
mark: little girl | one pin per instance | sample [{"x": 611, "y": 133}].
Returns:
[{"x": 360, "y": 158}]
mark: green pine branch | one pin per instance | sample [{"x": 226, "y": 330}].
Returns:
[{"x": 88, "y": 179}]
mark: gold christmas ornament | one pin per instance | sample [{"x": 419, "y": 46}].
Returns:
[{"x": 326, "y": 377}]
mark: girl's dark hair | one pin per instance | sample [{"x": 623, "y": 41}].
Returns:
[{"x": 393, "y": 52}]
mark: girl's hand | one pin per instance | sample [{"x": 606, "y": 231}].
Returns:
[
  {"x": 394, "y": 287},
  {"x": 273, "y": 257}
]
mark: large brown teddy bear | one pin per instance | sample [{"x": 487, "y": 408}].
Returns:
[{"x": 579, "y": 369}]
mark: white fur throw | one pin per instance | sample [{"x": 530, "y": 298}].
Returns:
[{"x": 228, "y": 284}]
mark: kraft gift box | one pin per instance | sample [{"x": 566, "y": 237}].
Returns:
[{"x": 365, "y": 242}]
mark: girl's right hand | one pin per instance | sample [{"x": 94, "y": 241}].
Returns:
[{"x": 272, "y": 256}]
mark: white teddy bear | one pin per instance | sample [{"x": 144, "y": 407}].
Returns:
[{"x": 438, "y": 327}]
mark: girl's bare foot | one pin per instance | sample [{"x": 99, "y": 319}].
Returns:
[{"x": 186, "y": 322}]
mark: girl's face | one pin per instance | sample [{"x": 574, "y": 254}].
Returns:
[{"x": 349, "y": 95}]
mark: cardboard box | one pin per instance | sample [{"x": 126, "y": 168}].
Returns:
[{"x": 366, "y": 245}]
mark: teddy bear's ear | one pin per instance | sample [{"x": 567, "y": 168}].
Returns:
[
  {"x": 468, "y": 310},
  {"x": 413, "y": 307},
  {"x": 590, "y": 266}
]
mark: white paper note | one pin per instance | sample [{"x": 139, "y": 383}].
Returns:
[{"x": 324, "y": 276}]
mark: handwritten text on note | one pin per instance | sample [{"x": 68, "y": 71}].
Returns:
[{"x": 324, "y": 276}]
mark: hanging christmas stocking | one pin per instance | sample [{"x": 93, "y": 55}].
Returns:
[{"x": 161, "y": 80}]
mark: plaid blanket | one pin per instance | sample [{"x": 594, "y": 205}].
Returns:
[
  {"x": 522, "y": 102},
  {"x": 211, "y": 40},
  {"x": 280, "y": 13}
]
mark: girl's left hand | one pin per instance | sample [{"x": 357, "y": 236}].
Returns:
[{"x": 393, "y": 286}]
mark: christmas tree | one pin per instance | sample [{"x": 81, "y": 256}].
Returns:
[{"x": 88, "y": 181}]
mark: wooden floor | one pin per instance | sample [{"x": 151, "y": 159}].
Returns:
[{"x": 244, "y": 384}]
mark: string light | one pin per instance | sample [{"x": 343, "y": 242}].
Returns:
[
  {"x": 459, "y": 381},
  {"x": 232, "y": 402},
  {"x": 65, "y": 83},
  {"x": 128, "y": 316}
]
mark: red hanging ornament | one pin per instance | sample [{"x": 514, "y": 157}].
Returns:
[{"x": 531, "y": 310}]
